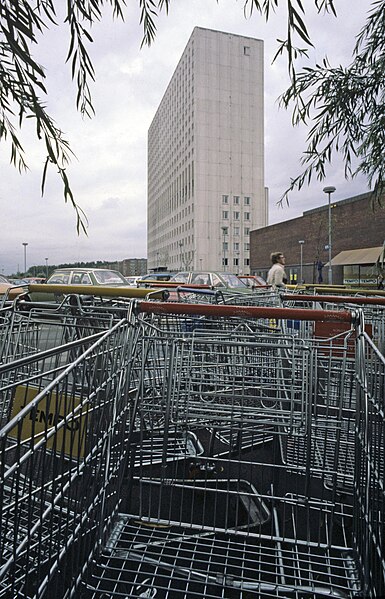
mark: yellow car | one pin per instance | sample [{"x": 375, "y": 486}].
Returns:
[{"x": 8, "y": 290}]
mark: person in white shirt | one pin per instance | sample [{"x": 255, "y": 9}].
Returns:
[{"x": 277, "y": 277}]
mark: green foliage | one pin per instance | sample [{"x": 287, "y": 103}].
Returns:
[{"x": 344, "y": 109}]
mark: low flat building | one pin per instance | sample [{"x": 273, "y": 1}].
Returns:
[{"x": 358, "y": 234}]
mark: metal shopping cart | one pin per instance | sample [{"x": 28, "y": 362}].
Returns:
[
  {"x": 27, "y": 327},
  {"x": 64, "y": 414},
  {"x": 253, "y": 513},
  {"x": 186, "y": 450}
]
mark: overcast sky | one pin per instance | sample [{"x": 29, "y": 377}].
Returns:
[{"x": 108, "y": 175}]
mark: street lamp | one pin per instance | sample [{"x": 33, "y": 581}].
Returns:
[
  {"x": 46, "y": 268},
  {"x": 181, "y": 253},
  {"x": 301, "y": 242},
  {"x": 25, "y": 256},
  {"x": 329, "y": 190},
  {"x": 224, "y": 231}
]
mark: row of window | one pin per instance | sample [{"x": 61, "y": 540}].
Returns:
[
  {"x": 236, "y": 231},
  {"x": 236, "y": 246},
  {"x": 236, "y": 262},
  {"x": 236, "y": 200},
  {"x": 236, "y": 215}
]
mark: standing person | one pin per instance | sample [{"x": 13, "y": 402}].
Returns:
[{"x": 277, "y": 277}]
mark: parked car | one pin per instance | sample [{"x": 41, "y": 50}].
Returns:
[
  {"x": 132, "y": 281},
  {"x": 215, "y": 280},
  {"x": 252, "y": 280},
  {"x": 35, "y": 279},
  {"x": 10, "y": 289},
  {"x": 157, "y": 276},
  {"x": 87, "y": 276},
  {"x": 153, "y": 277}
]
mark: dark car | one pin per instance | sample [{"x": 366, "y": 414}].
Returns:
[{"x": 154, "y": 277}]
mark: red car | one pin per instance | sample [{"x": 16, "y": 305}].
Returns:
[{"x": 253, "y": 280}]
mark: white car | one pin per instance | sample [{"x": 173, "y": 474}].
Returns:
[
  {"x": 216, "y": 280},
  {"x": 132, "y": 281},
  {"x": 87, "y": 276}
]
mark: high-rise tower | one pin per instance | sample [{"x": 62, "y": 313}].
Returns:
[{"x": 206, "y": 157}]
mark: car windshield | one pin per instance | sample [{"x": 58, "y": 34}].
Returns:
[
  {"x": 109, "y": 277},
  {"x": 180, "y": 277},
  {"x": 231, "y": 280}
]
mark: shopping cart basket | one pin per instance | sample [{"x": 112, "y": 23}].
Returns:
[
  {"x": 237, "y": 520},
  {"x": 64, "y": 414},
  {"x": 27, "y": 327}
]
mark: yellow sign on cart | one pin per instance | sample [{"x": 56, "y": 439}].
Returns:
[{"x": 46, "y": 416}]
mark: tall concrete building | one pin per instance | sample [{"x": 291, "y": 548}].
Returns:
[{"x": 206, "y": 157}]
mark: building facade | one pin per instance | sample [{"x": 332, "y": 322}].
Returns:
[
  {"x": 357, "y": 224},
  {"x": 206, "y": 157},
  {"x": 130, "y": 266}
]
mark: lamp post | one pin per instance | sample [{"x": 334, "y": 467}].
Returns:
[
  {"x": 25, "y": 256},
  {"x": 301, "y": 242},
  {"x": 224, "y": 231},
  {"x": 46, "y": 268},
  {"x": 329, "y": 190},
  {"x": 181, "y": 254}
]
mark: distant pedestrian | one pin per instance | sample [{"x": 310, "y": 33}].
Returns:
[
  {"x": 277, "y": 276},
  {"x": 380, "y": 281}
]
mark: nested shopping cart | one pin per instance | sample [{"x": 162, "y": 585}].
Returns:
[
  {"x": 255, "y": 461},
  {"x": 64, "y": 414},
  {"x": 186, "y": 450},
  {"x": 27, "y": 327}
]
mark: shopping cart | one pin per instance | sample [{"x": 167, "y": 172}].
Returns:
[
  {"x": 27, "y": 327},
  {"x": 187, "y": 451},
  {"x": 64, "y": 417},
  {"x": 373, "y": 309},
  {"x": 255, "y": 514}
]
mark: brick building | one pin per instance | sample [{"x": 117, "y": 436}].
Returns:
[{"x": 357, "y": 224}]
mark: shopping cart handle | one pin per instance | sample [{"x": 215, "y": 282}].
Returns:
[{"x": 184, "y": 289}]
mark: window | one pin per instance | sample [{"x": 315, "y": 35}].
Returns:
[
  {"x": 247, "y": 246},
  {"x": 225, "y": 246},
  {"x": 236, "y": 231},
  {"x": 236, "y": 199},
  {"x": 224, "y": 261},
  {"x": 246, "y": 261},
  {"x": 236, "y": 215},
  {"x": 247, "y": 231},
  {"x": 225, "y": 199},
  {"x": 247, "y": 215},
  {"x": 236, "y": 261},
  {"x": 247, "y": 201},
  {"x": 225, "y": 230},
  {"x": 225, "y": 214},
  {"x": 236, "y": 246},
  {"x": 216, "y": 280},
  {"x": 246, "y": 50},
  {"x": 86, "y": 280}
]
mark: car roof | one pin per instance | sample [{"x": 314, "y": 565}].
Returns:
[{"x": 70, "y": 269}]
